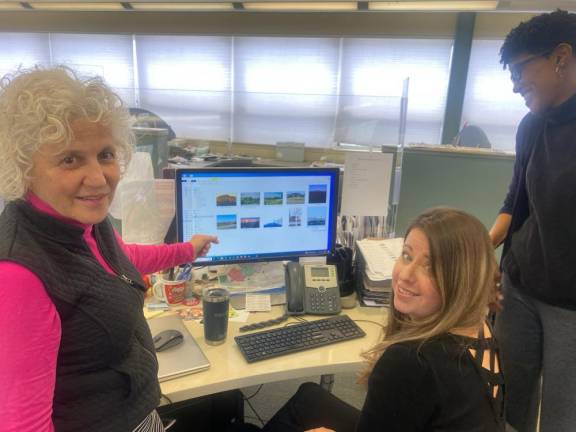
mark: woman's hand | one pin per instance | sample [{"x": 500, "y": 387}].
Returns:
[{"x": 202, "y": 244}]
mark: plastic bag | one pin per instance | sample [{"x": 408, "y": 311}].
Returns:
[{"x": 136, "y": 205}]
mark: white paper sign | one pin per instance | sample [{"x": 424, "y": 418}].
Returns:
[
  {"x": 366, "y": 189},
  {"x": 258, "y": 303}
]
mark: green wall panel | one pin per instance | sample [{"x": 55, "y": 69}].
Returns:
[{"x": 474, "y": 181}]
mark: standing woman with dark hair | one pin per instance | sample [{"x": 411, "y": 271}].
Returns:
[{"x": 537, "y": 224}]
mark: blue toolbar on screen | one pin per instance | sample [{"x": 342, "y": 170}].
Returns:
[{"x": 259, "y": 214}]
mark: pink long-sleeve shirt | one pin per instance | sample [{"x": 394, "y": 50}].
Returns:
[{"x": 30, "y": 329}]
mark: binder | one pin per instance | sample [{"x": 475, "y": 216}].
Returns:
[{"x": 375, "y": 259}]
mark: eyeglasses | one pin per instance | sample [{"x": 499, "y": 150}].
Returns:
[{"x": 517, "y": 69}]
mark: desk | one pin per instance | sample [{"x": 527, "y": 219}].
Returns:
[{"x": 229, "y": 370}]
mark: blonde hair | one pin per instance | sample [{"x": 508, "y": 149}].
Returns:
[
  {"x": 37, "y": 107},
  {"x": 463, "y": 267}
]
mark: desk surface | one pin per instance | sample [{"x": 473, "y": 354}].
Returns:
[{"x": 229, "y": 370}]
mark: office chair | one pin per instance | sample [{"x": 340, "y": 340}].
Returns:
[
  {"x": 472, "y": 136},
  {"x": 145, "y": 118}
]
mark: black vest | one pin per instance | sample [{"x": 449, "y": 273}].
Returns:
[{"x": 106, "y": 378}]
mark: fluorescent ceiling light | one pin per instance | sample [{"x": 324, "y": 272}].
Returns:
[
  {"x": 433, "y": 5},
  {"x": 10, "y": 6},
  {"x": 77, "y": 6},
  {"x": 300, "y": 6},
  {"x": 181, "y": 6}
]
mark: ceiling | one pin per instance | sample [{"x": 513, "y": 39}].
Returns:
[
  {"x": 536, "y": 5},
  {"x": 292, "y": 5}
]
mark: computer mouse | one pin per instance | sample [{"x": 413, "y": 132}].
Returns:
[{"x": 167, "y": 339}]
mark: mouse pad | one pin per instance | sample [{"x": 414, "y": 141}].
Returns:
[{"x": 180, "y": 360}]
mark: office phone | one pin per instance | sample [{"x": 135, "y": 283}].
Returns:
[{"x": 312, "y": 289}]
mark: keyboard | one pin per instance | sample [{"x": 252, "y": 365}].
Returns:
[{"x": 297, "y": 337}]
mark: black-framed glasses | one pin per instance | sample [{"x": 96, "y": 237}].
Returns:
[{"x": 517, "y": 69}]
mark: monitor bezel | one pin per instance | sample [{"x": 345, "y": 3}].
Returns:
[{"x": 334, "y": 173}]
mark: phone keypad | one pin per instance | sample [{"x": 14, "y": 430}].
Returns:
[{"x": 323, "y": 300}]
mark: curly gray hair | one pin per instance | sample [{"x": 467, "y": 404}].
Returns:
[{"x": 37, "y": 107}]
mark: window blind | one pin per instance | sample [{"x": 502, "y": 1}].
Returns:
[
  {"x": 23, "y": 50},
  {"x": 319, "y": 91},
  {"x": 285, "y": 89},
  {"x": 186, "y": 80},
  {"x": 489, "y": 102},
  {"x": 109, "y": 56},
  {"x": 373, "y": 71}
]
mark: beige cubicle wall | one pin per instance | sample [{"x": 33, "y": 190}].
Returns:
[{"x": 472, "y": 180}]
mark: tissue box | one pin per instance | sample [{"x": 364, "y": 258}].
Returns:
[{"x": 290, "y": 151}]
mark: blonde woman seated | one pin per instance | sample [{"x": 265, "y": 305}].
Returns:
[{"x": 437, "y": 368}]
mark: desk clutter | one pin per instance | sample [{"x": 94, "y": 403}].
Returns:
[
  {"x": 181, "y": 289},
  {"x": 374, "y": 264}
]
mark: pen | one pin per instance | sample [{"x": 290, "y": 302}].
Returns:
[{"x": 184, "y": 272}]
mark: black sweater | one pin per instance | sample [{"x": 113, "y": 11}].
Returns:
[
  {"x": 106, "y": 377},
  {"x": 437, "y": 387},
  {"x": 539, "y": 252}
]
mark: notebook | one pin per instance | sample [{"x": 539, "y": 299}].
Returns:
[{"x": 180, "y": 360}]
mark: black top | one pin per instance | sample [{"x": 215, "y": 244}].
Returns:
[
  {"x": 437, "y": 386},
  {"x": 539, "y": 252},
  {"x": 106, "y": 375}
]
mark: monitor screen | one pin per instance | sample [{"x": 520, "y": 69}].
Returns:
[{"x": 259, "y": 214}]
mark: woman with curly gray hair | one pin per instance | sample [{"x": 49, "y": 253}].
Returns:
[{"x": 77, "y": 354}]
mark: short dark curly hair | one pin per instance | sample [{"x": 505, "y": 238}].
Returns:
[{"x": 540, "y": 34}]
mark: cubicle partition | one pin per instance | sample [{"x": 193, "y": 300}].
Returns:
[
  {"x": 155, "y": 142},
  {"x": 472, "y": 180}
]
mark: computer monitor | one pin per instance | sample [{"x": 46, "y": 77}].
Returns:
[{"x": 258, "y": 214}]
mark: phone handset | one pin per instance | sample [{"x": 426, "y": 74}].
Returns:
[{"x": 294, "y": 274}]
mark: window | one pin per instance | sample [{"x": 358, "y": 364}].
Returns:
[
  {"x": 489, "y": 101},
  {"x": 186, "y": 80},
  {"x": 23, "y": 50},
  {"x": 285, "y": 90},
  {"x": 109, "y": 56},
  {"x": 319, "y": 91},
  {"x": 373, "y": 71}
]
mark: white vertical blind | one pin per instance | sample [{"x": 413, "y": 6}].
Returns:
[
  {"x": 23, "y": 50},
  {"x": 186, "y": 80},
  {"x": 109, "y": 56},
  {"x": 319, "y": 91},
  {"x": 373, "y": 71},
  {"x": 285, "y": 89},
  {"x": 489, "y": 102}
]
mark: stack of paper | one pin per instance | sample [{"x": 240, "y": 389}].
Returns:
[{"x": 374, "y": 263}]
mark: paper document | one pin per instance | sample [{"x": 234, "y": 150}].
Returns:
[
  {"x": 258, "y": 303},
  {"x": 252, "y": 277},
  {"x": 367, "y": 179},
  {"x": 380, "y": 256}
]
